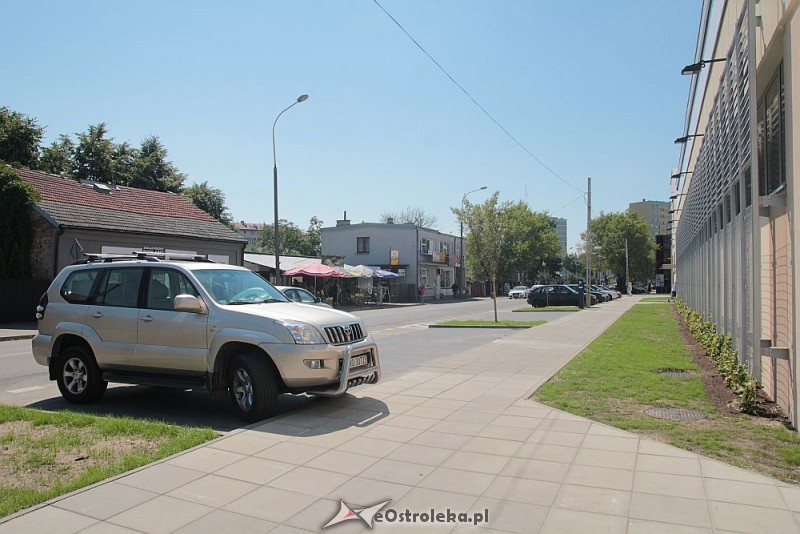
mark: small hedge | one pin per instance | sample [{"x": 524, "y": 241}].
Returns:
[{"x": 720, "y": 349}]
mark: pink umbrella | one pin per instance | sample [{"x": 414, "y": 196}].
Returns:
[{"x": 315, "y": 269}]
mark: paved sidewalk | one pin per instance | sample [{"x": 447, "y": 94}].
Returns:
[{"x": 455, "y": 434}]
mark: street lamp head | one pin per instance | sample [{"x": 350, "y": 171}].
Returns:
[
  {"x": 695, "y": 67},
  {"x": 302, "y": 98},
  {"x": 482, "y": 188}
]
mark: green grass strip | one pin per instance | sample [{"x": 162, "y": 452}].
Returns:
[{"x": 616, "y": 378}]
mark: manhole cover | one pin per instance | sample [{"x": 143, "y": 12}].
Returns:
[
  {"x": 677, "y": 373},
  {"x": 675, "y": 414}
]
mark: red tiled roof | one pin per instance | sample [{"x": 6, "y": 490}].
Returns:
[{"x": 126, "y": 199}]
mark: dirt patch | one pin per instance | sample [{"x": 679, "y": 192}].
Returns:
[{"x": 719, "y": 394}]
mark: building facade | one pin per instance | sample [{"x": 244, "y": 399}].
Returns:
[
  {"x": 655, "y": 213},
  {"x": 561, "y": 230},
  {"x": 419, "y": 255},
  {"x": 734, "y": 198},
  {"x": 248, "y": 231}
]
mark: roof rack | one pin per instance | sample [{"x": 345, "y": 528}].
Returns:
[{"x": 89, "y": 257}]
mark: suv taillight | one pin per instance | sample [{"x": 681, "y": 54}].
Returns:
[{"x": 42, "y": 306}]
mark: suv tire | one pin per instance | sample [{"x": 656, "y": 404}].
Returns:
[
  {"x": 251, "y": 386},
  {"x": 79, "y": 378}
]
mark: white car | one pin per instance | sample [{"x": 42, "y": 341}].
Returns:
[
  {"x": 518, "y": 292},
  {"x": 298, "y": 294}
]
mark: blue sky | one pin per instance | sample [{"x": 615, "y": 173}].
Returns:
[{"x": 589, "y": 88}]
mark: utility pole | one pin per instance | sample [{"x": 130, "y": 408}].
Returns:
[
  {"x": 627, "y": 277},
  {"x": 588, "y": 294}
]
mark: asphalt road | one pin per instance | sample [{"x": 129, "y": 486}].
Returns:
[{"x": 402, "y": 334}]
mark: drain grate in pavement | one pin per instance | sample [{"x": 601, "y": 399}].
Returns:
[
  {"x": 677, "y": 373},
  {"x": 675, "y": 414}
]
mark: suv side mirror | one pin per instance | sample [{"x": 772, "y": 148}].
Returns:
[{"x": 188, "y": 303}]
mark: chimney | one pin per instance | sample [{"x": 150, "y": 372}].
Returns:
[{"x": 343, "y": 222}]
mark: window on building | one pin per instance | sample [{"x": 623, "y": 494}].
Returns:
[
  {"x": 424, "y": 246},
  {"x": 771, "y": 136},
  {"x": 444, "y": 247},
  {"x": 362, "y": 245},
  {"x": 423, "y": 277},
  {"x": 446, "y": 279}
]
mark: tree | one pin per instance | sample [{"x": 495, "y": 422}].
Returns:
[
  {"x": 313, "y": 238},
  {"x": 531, "y": 244},
  {"x": 209, "y": 199},
  {"x": 293, "y": 239},
  {"x": 609, "y": 233},
  {"x": 19, "y": 138},
  {"x": 123, "y": 164},
  {"x": 16, "y": 234},
  {"x": 94, "y": 155},
  {"x": 153, "y": 171},
  {"x": 411, "y": 216},
  {"x": 58, "y": 158}
]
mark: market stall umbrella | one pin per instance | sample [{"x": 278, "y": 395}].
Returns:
[
  {"x": 359, "y": 271},
  {"x": 315, "y": 269},
  {"x": 380, "y": 273}
]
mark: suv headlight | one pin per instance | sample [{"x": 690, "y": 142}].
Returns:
[{"x": 303, "y": 333}]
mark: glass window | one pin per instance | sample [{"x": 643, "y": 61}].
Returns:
[
  {"x": 232, "y": 286},
  {"x": 362, "y": 245},
  {"x": 423, "y": 276},
  {"x": 120, "y": 287},
  {"x": 771, "y": 136},
  {"x": 424, "y": 246},
  {"x": 78, "y": 286},
  {"x": 164, "y": 285}
]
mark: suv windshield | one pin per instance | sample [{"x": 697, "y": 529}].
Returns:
[{"x": 237, "y": 287}]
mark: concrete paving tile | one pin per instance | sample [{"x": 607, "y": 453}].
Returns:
[
  {"x": 320, "y": 513},
  {"x": 543, "y": 451},
  {"x": 317, "y": 437},
  {"x": 431, "y": 412},
  {"x": 457, "y": 481},
  {"x": 666, "y": 484},
  {"x": 640, "y": 526},
  {"x": 536, "y": 411},
  {"x": 752, "y": 519},
  {"x": 212, "y": 490},
  {"x": 463, "y": 394},
  {"x": 512, "y": 433},
  {"x": 398, "y": 472},
  {"x": 291, "y": 452},
  {"x": 734, "y": 491},
  {"x": 246, "y": 443},
  {"x": 410, "y": 421},
  {"x": 669, "y": 464},
  {"x": 364, "y": 418},
  {"x": 561, "y": 520},
  {"x": 598, "y": 429},
  {"x": 359, "y": 491},
  {"x": 310, "y": 481},
  {"x": 340, "y": 461},
  {"x": 601, "y": 458},
  {"x": 410, "y": 400},
  {"x": 423, "y": 499},
  {"x": 444, "y": 404},
  {"x": 114, "y": 498},
  {"x": 271, "y": 504},
  {"x": 205, "y": 459},
  {"x": 791, "y": 497},
  {"x": 510, "y": 516},
  {"x": 106, "y": 528},
  {"x": 589, "y": 499},
  {"x": 471, "y": 417},
  {"x": 255, "y": 470},
  {"x": 492, "y": 446},
  {"x": 484, "y": 407},
  {"x": 647, "y": 446},
  {"x": 220, "y": 521},
  {"x": 550, "y": 437},
  {"x": 601, "y": 477},
  {"x": 458, "y": 427},
  {"x": 420, "y": 454},
  {"x": 160, "y": 478},
  {"x": 610, "y": 443},
  {"x": 393, "y": 433},
  {"x": 306, "y": 419},
  {"x": 563, "y": 425},
  {"x": 517, "y": 421},
  {"x": 441, "y": 440},
  {"x": 523, "y": 490},
  {"x": 717, "y": 469},
  {"x": 369, "y": 446},
  {"x": 674, "y": 510},
  {"x": 536, "y": 470},
  {"x": 160, "y": 515},
  {"x": 278, "y": 428},
  {"x": 427, "y": 393},
  {"x": 476, "y": 461},
  {"x": 48, "y": 519}
]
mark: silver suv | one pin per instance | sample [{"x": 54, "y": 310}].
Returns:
[{"x": 194, "y": 324}]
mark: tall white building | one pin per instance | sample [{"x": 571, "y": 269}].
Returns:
[
  {"x": 561, "y": 230},
  {"x": 655, "y": 212}
]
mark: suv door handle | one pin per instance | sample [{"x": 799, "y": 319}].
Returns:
[
  {"x": 96, "y": 315},
  {"x": 146, "y": 318}
]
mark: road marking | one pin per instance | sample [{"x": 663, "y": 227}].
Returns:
[
  {"x": 25, "y": 390},
  {"x": 17, "y": 354},
  {"x": 416, "y": 325}
]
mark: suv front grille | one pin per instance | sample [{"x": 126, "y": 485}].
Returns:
[{"x": 344, "y": 333}]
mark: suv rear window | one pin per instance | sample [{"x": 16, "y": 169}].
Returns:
[
  {"x": 78, "y": 286},
  {"x": 120, "y": 287}
]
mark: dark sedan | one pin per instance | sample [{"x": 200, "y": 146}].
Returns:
[{"x": 553, "y": 295}]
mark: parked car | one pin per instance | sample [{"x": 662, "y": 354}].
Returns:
[
  {"x": 518, "y": 292},
  {"x": 597, "y": 296},
  {"x": 554, "y": 295},
  {"x": 194, "y": 324},
  {"x": 304, "y": 296},
  {"x": 607, "y": 295}
]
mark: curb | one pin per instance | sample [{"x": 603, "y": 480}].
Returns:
[{"x": 16, "y": 337}]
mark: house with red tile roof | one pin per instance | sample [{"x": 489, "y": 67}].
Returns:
[{"x": 75, "y": 217}]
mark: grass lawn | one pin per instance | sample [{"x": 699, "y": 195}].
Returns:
[
  {"x": 616, "y": 378},
  {"x": 44, "y": 455},
  {"x": 655, "y": 299},
  {"x": 492, "y": 323}
]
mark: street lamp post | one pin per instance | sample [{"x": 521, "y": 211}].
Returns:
[
  {"x": 463, "y": 282},
  {"x": 301, "y": 98}
]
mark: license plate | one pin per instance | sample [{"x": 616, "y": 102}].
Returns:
[{"x": 359, "y": 361}]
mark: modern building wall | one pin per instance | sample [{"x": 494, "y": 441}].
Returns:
[
  {"x": 561, "y": 230},
  {"x": 655, "y": 213},
  {"x": 735, "y": 198}
]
